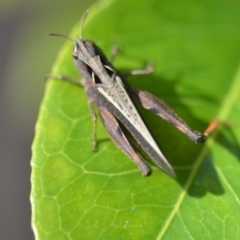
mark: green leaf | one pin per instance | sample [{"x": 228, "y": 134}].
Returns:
[{"x": 78, "y": 194}]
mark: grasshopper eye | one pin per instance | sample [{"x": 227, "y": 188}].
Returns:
[
  {"x": 75, "y": 50},
  {"x": 89, "y": 43}
]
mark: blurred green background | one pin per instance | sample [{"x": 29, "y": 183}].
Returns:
[{"x": 27, "y": 55}]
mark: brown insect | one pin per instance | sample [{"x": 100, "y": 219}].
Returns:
[{"x": 108, "y": 90}]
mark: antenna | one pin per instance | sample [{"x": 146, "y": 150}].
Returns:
[
  {"x": 82, "y": 22},
  {"x": 60, "y": 35}
]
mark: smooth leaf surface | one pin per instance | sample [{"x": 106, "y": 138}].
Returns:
[{"x": 78, "y": 194}]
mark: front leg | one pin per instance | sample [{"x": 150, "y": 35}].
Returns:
[
  {"x": 115, "y": 51},
  {"x": 146, "y": 71}
]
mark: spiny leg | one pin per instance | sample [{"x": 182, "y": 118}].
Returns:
[
  {"x": 159, "y": 108},
  {"x": 120, "y": 139},
  {"x": 114, "y": 74},
  {"x": 90, "y": 104},
  {"x": 65, "y": 78},
  {"x": 94, "y": 118},
  {"x": 146, "y": 71},
  {"x": 115, "y": 51}
]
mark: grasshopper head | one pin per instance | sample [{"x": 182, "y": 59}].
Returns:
[{"x": 84, "y": 50}]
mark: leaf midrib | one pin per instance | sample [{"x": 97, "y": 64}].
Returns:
[{"x": 224, "y": 112}]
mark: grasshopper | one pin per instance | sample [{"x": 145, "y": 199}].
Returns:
[{"x": 107, "y": 88}]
